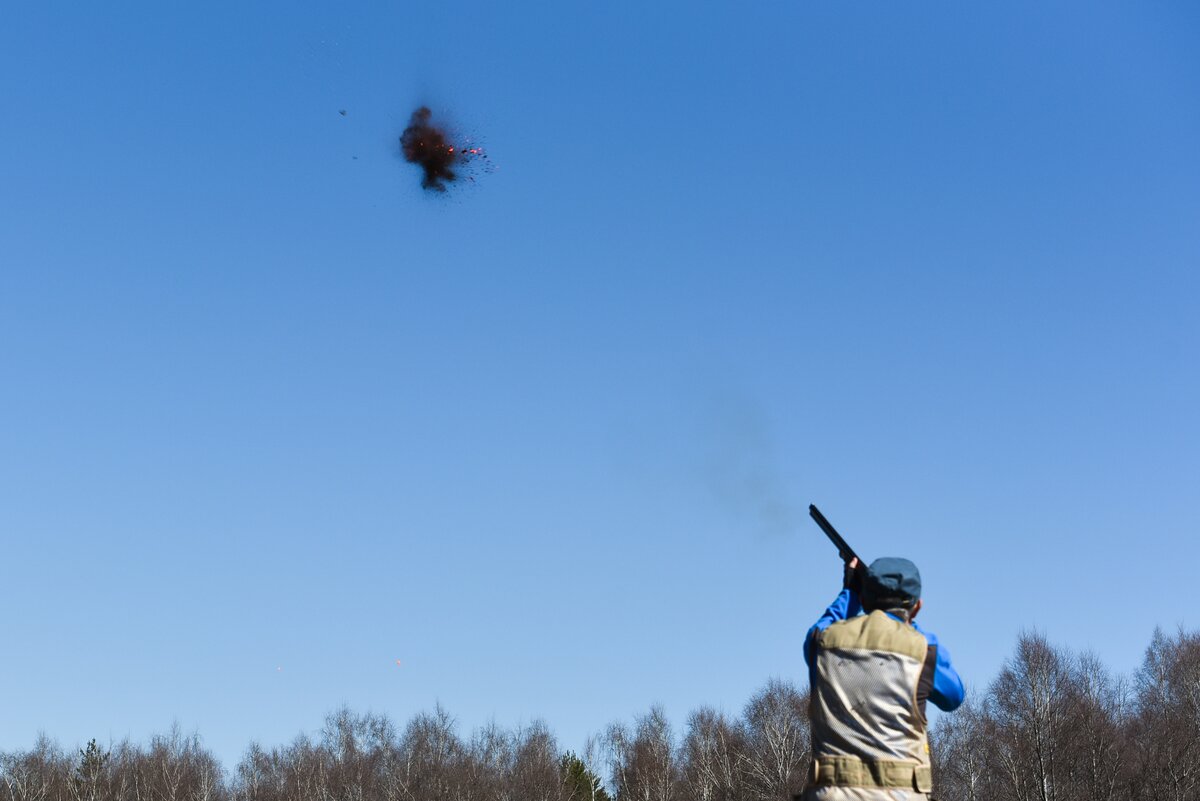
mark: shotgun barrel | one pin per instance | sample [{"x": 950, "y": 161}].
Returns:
[{"x": 844, "y": 550}]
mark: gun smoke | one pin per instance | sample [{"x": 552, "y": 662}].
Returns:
[{"x": 744, "y": 473}]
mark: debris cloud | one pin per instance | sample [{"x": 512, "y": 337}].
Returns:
[{"x": 430, "y": 147}]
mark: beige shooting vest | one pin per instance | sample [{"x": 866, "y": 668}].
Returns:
[{"x": 871, "y": 676}]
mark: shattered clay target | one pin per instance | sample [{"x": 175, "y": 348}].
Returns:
[{"x": 443, "y": 161}]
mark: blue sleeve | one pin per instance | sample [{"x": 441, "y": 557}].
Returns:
[
  {"x": 845, "y": 606},
  {"x": 947, "y": 692}
]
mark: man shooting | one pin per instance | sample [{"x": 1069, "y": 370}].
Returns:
[{"x": 872, "y": 670}]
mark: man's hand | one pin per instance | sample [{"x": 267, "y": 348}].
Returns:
[{"x": 850, "y": 577}]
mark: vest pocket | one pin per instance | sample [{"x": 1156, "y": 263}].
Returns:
[{"x": 923, "y": 779}]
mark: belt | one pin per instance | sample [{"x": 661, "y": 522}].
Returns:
[{"x": 850, "y": 771}]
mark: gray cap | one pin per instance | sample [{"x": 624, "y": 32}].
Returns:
[{"x": 891, "y": 581}]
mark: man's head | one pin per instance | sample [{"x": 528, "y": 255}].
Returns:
[{"x": 892, "y": 583}]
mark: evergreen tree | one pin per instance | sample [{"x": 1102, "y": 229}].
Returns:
[
  {"x": 580, "y": 783},
  {"x": 91, "y": 772}
]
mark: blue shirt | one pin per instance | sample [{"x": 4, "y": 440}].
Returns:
[{"x": 947, "y": 692}]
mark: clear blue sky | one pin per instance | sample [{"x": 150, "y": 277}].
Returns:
[{"x": 549, "y": 441}]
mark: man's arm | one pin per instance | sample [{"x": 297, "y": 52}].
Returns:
[
  {"x": 846, "y": 605},
  {"x": 947, "y": 691}
]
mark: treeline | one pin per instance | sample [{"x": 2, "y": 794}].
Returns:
[
  {"x": 1053, "y": 726},
  {"x": 1058, "y": 726}
]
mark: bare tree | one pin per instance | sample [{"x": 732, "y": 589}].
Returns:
[
  {"x": 130, "y": 772},
  {"x": 778, "y": 747},
  {"x": 1166, "y": 728},
  {"x": 357, "y": 752},
  {"x": 297, "y": 772},
  {"x": 644, "y": 766},
  {"x": 1028, "y": 702},
  {"x": 40, "y": 774},
  {"x": 961, "y": 745},
  {"x": 429, "y": 753},
  {"x": 1095, "y": 750},
  {"x": 257, "y": 777},
  {"x": 535, "y": 775},
  {"x": 713, "y": 756},
  {"x": 182, "y": 769},
  {"x": 487, "y": 765}
]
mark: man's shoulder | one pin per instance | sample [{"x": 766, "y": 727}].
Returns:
[
  {"x": 875, "y": 631},
  {"x": 928, "y": 635}
]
